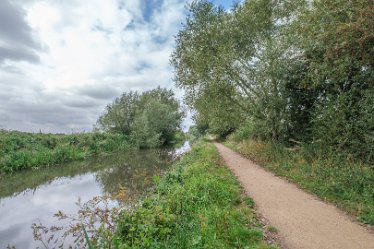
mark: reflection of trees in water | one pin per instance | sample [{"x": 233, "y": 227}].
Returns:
[
  {"x": 131, "y": 171},
  {"x": 33, "y": 179},
  {"x": 134, "y": 172},
  {"x": 115, "y": 165}
]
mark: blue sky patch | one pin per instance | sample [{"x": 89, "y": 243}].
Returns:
[{"x": 149, "y": 7}]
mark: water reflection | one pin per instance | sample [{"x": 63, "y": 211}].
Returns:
[{"x": 34, "y": 196}]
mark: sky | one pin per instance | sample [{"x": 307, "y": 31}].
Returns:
[{"x": 63, "y": 61}]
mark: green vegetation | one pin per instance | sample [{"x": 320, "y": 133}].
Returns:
[
  {"x": 331, "y": 176},
  {"x": 289, "y": 70},
  {"x": 149, "y": 119},
  {"x": 131, "y": 169},
  {"x": 293, "y": 80},
  {"x": 20, "y": 150},
  {"x": 198, "y": 204}
]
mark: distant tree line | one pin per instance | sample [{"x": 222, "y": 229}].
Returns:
[
  {"x": 292, "y": 70},
  {"x": 149, "y": 119}
]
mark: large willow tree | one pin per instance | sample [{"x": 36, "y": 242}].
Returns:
[
  {"x": 150, "y": 119},
  {"x": 295, "y": 69},
  {"x": 230, "y": 61}
]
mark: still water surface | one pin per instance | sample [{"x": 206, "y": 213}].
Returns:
[{"x": 34, "y": 196}]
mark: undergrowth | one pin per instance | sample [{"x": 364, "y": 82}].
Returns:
[
  {"x": 331, "y": 176},
  {"x": 20, "y": 150},
  {"x": 198, "y": 204}
]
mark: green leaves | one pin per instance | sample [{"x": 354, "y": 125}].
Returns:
[
  {"x": 198, "y": 204},
  {"x": 150, "y": 119},
  {"x": 295, "y": 69},
  {"x": 119, "y": 116},
  {"x": 20, "y": 150}
]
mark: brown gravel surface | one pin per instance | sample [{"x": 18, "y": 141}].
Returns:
[{"x": 302, "y": 220}]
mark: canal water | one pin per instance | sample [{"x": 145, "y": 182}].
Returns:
[{"x": 35, "y": 196}]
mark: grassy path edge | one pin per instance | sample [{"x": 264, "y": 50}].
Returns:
[
  {"x": 197, "y": 204},
  {"x": 348, "y": 186}
]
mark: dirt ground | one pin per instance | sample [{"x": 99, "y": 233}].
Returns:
[{"x": 302, "y": 220}]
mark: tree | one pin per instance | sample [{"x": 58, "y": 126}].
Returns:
[
  {"x": 156, "y": 125},
  {"x": 201, "y": 60},
  {"x": 337, "y": 39},
  {"x": 218, "y": 61},
  {"x": 119, "y": 116},
  {"x": 295, "y": 69},
  {"x": 150, "y": 119}
]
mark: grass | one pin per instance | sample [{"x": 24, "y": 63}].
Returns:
[
  {"x": 332, "y": 177},
  {"x": 20, "y": 150},
  {"x": 197, "y": 204}
]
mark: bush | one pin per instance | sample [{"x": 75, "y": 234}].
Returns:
[
  {"x": 347, "y": 125},
  {"x": 246, "y": 131}
]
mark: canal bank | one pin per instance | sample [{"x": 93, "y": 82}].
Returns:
[
  {"x": 197, "y": 204},
  {"x": 34, "y": 196}
]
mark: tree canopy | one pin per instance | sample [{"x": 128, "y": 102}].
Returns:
[
  {"x": 150, "y": 118},
  {"x": 294, "y": 69}
]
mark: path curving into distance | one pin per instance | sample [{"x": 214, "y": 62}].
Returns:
[{"x": 303, "y": 221}]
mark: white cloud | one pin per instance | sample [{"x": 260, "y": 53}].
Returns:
[{"x": 91, "y": 52}]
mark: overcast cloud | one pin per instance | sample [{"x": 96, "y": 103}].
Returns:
[{"x": 61, "y": 62}]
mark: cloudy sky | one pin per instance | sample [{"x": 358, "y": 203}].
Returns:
[{"x": 62, "y": 61}]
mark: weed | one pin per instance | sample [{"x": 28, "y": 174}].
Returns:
[
  {"x": 249, "y": 201},
  {"x": 272, "y": 229},
  {"x": 20, "y": 150},
  {"x": 197, "y": 204}
]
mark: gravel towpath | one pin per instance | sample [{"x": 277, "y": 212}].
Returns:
[{"x": 302, "y": 220}]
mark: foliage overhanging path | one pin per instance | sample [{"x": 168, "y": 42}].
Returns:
[{"x": 302, "y": 220}]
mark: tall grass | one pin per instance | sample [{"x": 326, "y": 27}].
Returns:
[
  {"x": 198, "y": 204},
  {"x": 332, "y": 176},
  {"x": 19, "y": 150}
]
